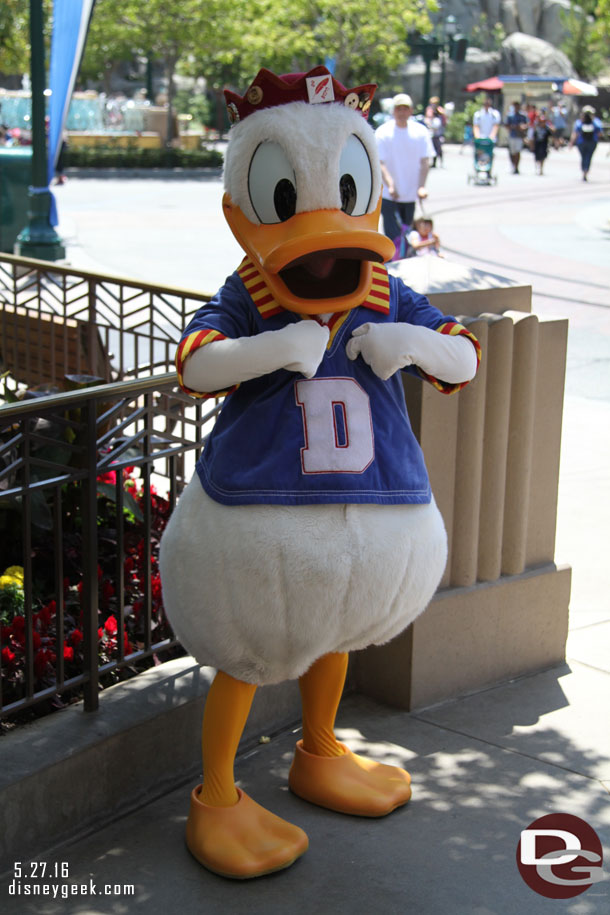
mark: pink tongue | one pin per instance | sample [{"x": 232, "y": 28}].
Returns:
[{"x": 320, "y": 265}]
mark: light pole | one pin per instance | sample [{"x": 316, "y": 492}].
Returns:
[
  {"x": 38, "y": 239},
  {"x": 429, "y": 48},
  {"x": 449, "y": 31}
]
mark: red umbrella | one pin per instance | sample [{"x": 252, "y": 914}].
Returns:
[{"x": 487, "y": 85}]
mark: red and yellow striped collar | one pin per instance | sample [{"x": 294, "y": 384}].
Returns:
[{"x": 378, "y": 298}]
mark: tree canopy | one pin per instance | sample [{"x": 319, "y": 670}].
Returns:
[
  {"x": 228, "y": 40},
  {"x": 587, "y": 23},
  {"x": 15, "y": 34}
]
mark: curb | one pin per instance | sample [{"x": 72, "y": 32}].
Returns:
[{"x": 70, "y": 773}]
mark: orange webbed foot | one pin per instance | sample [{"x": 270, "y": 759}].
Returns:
[
  {"x": 241, "y": 841},
  {"x": 349, "y": 783}
]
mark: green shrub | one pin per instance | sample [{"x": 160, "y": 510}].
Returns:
[
  {"x": 132, "y": 157},
  {"x": 454, "y": 131}
]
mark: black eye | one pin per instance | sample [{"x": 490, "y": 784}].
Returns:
[
  {"x": 285, "y": 199},
  {"x": 356, "y": 181},
  {"x": 349, "y": 194},
  {"x": 272, "y": 184}
]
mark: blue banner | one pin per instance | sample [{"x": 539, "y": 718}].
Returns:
[{"x": 70, "y": 24}]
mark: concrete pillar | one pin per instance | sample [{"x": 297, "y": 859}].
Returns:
[
  {"x": 469, "y": 460},
  {"x": 520, "y": 441},
  {"x": 499, "y": 360},
  {"x": 492, "y": 453},
  {"x": 544, "y": 481}
]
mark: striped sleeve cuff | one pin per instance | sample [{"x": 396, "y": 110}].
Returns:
[
  {"x": 454, "y": 329},
  {"x": 187, "y": 346}
]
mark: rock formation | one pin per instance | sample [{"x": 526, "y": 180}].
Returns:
[
  {"x": 527, "y": 54},
  {"x": 540, "y": 18}
]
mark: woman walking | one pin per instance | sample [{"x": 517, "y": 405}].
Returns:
[{"x": 585, "y": 134}]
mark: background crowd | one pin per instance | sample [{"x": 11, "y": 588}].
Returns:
[{"x": 410, "y": 145}]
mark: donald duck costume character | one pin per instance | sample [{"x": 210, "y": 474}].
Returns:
[{"x": 309, "y": 529}]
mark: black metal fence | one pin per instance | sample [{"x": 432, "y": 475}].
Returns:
[
  {"x": 55, "y": 321},
  {"x": 88, "y": 479}
]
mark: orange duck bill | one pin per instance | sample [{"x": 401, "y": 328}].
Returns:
[{"x": 314, "y": 262}]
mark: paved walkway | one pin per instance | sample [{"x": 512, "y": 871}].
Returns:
[{"x": 484, "y": 766}]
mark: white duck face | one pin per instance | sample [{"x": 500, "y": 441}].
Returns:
[{"x": 303, "y": 187}]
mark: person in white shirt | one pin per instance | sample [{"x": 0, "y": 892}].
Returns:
[
  {"x": 405, "y": 150},
  {"x": 486, "y": 122}
]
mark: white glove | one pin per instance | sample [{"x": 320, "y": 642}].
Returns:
[
  {"x": 219, "y": 365},
  {"x": 390, "y": 347}
]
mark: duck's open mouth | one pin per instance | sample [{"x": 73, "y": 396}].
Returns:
[{"x": 326, "y": 274}]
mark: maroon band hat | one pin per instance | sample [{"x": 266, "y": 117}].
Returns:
[{"x": 319, "y": 86}]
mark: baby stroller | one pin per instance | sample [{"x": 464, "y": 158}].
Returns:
[{"x": 483, "y": 162}]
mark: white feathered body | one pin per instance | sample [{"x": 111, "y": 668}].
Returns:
[{"x": 262, "y": 591}]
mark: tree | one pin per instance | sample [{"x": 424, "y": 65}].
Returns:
[
  {"x": 110, "y": 43},
  {"x": 365, "y": 39},
  {"x": 585, "y": 44},
  {"x": 227, "y": 41},
  {"x": 485, "y": 36},
  {"x": 601, "y": 27},
  {"x": 15, "y": 34},
  {"x": 163, "y": 30}
]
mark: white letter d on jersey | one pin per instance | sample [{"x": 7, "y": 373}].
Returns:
[{"x": 337, "y": 425}]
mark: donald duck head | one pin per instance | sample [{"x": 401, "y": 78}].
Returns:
[{"x": 303, "y": 188}]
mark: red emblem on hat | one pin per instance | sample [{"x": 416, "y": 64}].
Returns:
[{"x": 268, "y": 90}]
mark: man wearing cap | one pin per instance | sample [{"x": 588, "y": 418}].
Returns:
[{"x": 405, "y": 150}]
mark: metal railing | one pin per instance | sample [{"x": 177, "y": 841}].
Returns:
[
  {"x": 55, "y": 317},
  {"x": 88, "y": 477},
  {"x": 64, "y": 460}
]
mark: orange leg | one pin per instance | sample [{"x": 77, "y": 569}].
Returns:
[
  {"x": 226, "y": 711},
  {"x": 227, "y": 831},
  {"x": 325, "y": 771},
  {"x": 321, "y": 688}
]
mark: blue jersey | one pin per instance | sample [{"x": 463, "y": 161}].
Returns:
[{"x": 342, "y": 436}]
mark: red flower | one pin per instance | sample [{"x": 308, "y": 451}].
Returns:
[
  {"x": 42, "y": 659},
  {"x": 18, "y": 624},
  {"x": 48, "y": 612},
  {"x": 36, "y": 639},
  {"x": 8, "y": 656},
  {"x": 109, "y": 477},
  {"x": 68, "y": 652},
  {"x": 127, "y": 643},
  {"x": 5, "y": 633},
  {"x": 76, "y": 637},
  {"x": 100, "y": 633},
  {"x": 107, "y": 590},
  {"x": 155, "y": 586},
  {"x": 111, "y": 625}
]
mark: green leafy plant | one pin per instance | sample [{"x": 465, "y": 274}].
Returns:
[{"x": 133, "y": 157}]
